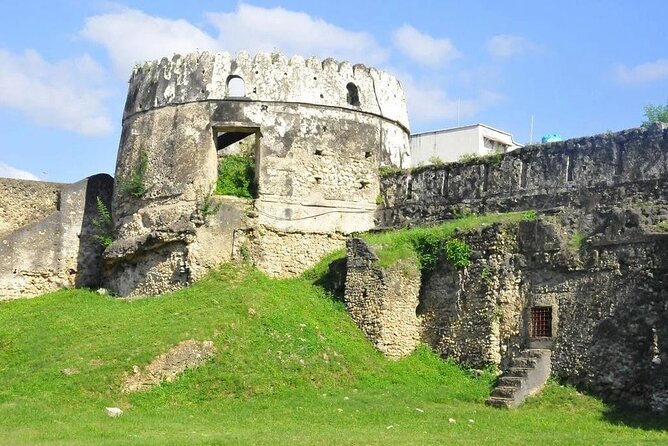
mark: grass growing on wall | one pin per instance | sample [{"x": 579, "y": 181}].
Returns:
[
  {"x": 236, "y": 176},
  {"x": 432, "y": 242},
  {"x": 291, "y": 368}
]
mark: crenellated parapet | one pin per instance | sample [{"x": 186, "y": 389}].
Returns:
[{"x": 266, "y": 77}]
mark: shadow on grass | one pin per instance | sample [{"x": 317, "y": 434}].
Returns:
[{"x": 640, "y": 418}]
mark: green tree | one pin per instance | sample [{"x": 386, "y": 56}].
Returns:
[{"x": 655, "y": 113}]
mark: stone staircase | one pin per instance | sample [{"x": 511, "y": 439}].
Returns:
[{"x": 527, "y": 374}]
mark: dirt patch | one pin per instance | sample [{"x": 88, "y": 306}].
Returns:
[{"x": 168, "y": 366}]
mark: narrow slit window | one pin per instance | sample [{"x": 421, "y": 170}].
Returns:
[
  {"x": 541, "y": 322},
  {"x": 524, "y": 170},
  {"x": 569, "y": 168}
]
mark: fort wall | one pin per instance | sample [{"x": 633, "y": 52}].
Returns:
[
  {"x": 26, "y": 201},
  {"x": 579, "y": 173},
  {"x": 58, "y": 250}
]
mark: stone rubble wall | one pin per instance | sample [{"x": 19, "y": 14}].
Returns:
[
  {"x": 25, "y": 201},
  {"x": 609, "y": 300},
  {"x": 579, "y": 173},
  {"x": 59, "y": 250},
  {"x": 382, "y": 301},
  {"x": 286, "y": 254}
]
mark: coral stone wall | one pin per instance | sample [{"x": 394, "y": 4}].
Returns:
[
  {"x": 23, "y": 202},
  {"x": 579, "y": 173},
  {"x": 382, "y": 301},
  {"x": 58, "y": 250}
]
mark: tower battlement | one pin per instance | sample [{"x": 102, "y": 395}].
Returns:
[{"x": 268, "y": 78}]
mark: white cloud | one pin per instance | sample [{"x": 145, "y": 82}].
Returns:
[
  {"x": 266, "y": 29},
  {"x": 7, "y": 171},
  {"x": 429, "y": 103},
  {"x": 423, "y": 48},
  {"x": 506, "y": 45},
  {"x": 131, "y": 36},
  {"x": 65, "y": 95},
  {"x": 645, "y": 72}
]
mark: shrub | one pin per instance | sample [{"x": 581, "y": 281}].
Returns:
[
  {"x": 655, "y": 113},
  {"x": 458, "y": 253},
  {"x": 529, "y": 215},
  {"x": 236, "y": 176},
  {"x": 103, "y": 224},
  {"x": 135, "y": 185}
]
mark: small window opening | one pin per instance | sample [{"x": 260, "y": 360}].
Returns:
[
  {"x": 541, "y": 322},
  {"x": 364, "y": 184},
  {"x": 569, "y": 168},
  {"x": 409, "y": 189},
  {"x": 485, "y": 177},
  {"x": 524, "y": 170},
  {"x": 318, "y": 152},
  {"x": 619, "y": 165},
  {"x": 235, "y": 142},
  {"x": 318, "y": 180},
  {"x": 368, "y": 154},
  {"x": 353, "y": 94},
  {"x": 444, "y": 184},
  {"x": 236, "y": 87}
]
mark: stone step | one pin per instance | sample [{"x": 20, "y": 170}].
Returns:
[
  {"x": 517, "y": 383},
  {"x": 510, "y": 381},
  {"x": 499, "y": 402},
  {"x": 504, "y": 392},
  {"x": 519, "y": 372},
  {"x": 532, "y": 353},
  {"x": 524, "y": 362}
]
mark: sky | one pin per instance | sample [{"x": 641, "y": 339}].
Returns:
[{"x": 578, "y": 67}]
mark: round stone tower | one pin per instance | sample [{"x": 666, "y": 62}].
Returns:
[{"x": 315, "y": 132}]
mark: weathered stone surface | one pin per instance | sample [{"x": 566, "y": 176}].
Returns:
[
  {"x": 580, "y": 173},
  {"x": 58, "y": 250},
  {"x": 23, "y": 202},
  {"x": 382, "y": 301},
  {"x": 167, "y": 367}
]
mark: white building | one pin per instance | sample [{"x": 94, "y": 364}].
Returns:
[{"x": 450, "y": 144}]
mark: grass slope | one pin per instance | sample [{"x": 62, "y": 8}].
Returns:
[{"x": 292, "y": 368}]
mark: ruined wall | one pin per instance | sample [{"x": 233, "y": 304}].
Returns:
[
  {"x": 24, "y": 201},
  {"x": 58, "y": 250},
  {"x": 579, "y": 173},
  {"x": 474, "y": 315},
  {"x": 287, "y": 254},
  {"x": 382, "y": 301},
  {"x": 317, "y": 156}
]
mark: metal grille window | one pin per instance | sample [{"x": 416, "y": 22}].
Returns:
[{"x": 541, "y": 322}]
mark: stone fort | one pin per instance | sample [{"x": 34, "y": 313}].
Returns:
[{"x": 319, "y": 134}]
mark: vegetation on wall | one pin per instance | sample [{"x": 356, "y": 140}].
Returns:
[
  {"x": 655, "y": 113},
  {"x": 135, "y": 184},
  {"x": 236, "y": 176},
  {"x": 435, "y": 243},
  {"x": 103, "y": 224}
]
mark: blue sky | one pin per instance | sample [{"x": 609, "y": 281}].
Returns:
[{"x": 579, "y": 67}]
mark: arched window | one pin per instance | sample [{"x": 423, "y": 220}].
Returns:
[
  {"x": 353, "y": 94},
  {"x": 236, "y": 88}
]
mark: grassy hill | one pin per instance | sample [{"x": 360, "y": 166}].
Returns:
[{"x": 291, "y": 368}]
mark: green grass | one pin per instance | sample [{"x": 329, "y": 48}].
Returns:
[
  {"x": 291, "y": 368},
  {"x": 236, "y": 176},
  {"x": 428, "y": 242}
]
